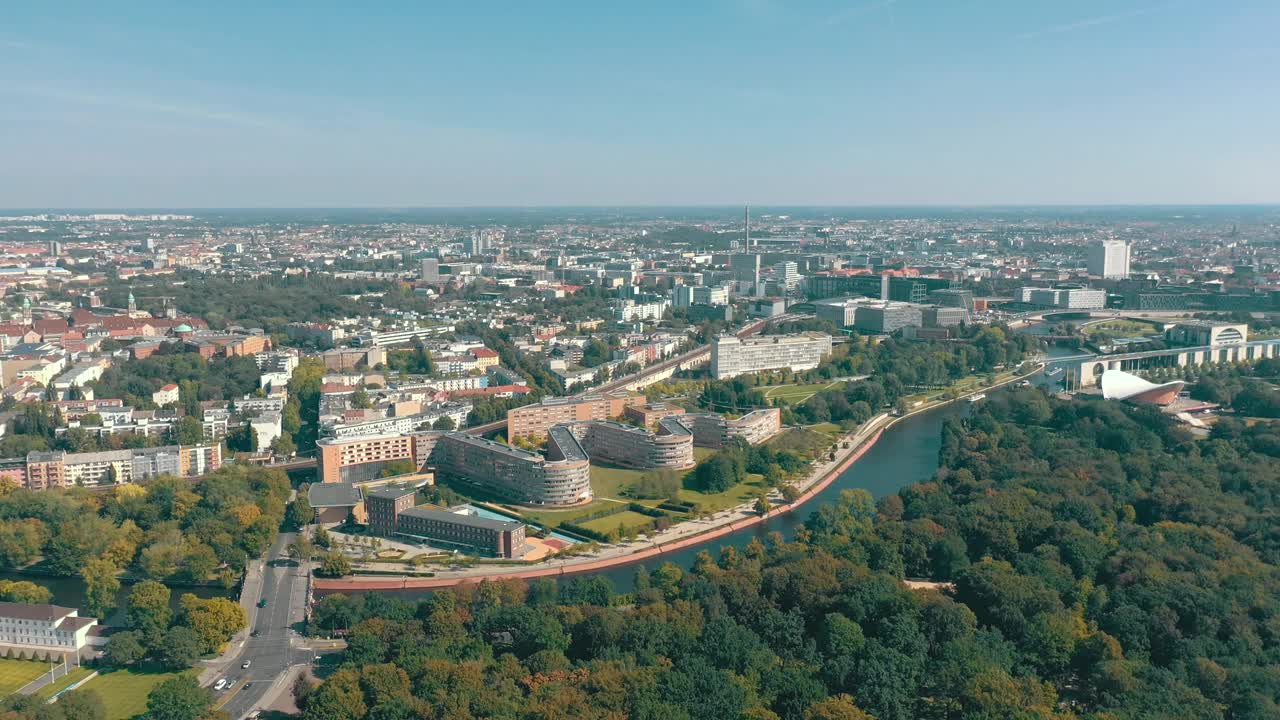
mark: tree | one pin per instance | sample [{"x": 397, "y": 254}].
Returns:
[
  {"x": 444, "y": 422},
  {"x": 124, "y": 648},
  {"x": 101, "y": 585},
  {"x": 179, "y": 698},
  {"x": 360, "y": 399},
  {"x": 762, "y": 505},
  {"x": 199, "y": 563},
  {"x": 213, "y": 620},
  {"x": 148, "y": 610},
  {"x": 82, "y": 704},
  {"x": 338, "y": 698},
  {"x": 301, "y": 548},
  {"x": 22, "y": 591},
  {"x": 334, "y": 564},
  {"x": 398, "y": 467},
  {"x": 301, "y": 513},
  {"x": 180, "y": 648},
  {"x": 80, "y": 537},
  {"x": 838, "y": 707},
  {"x": 717, "y": 474},
  {"x": 284, "y": 445},
  {"x": 242, "y": 438},
  {"x": 188, "y": 431}
]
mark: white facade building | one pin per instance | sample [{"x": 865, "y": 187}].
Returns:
[
  {"x": 732, "y": 356},
  {"x": 1109, "y": 259},
  {"x": 1073, "y": 298},
  {"x": 43, "y": 627}
]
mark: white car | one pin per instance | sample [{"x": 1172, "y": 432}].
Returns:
[
  {"x": 220, "y": 684},
  {"x": 246, "y": 664}
]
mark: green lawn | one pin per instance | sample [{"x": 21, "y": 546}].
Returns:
[
  {"x": 1121, "y": 328},
  {"x": 16, "y": 673},
  {"x": 609, "y": 482},
  {"x": 553, "y": 518},
  {"x": 796, "y": 394},
  {"x": 964, "y": 385},
  {"x": 829, "y": 428},
  {"x": 805, "y": 441},
  {"x": 124, "y": 692},
  {"x": 71, "y": 678},
  {"x": 627, "y": 519},
  {"x": 736, "y": 495}
]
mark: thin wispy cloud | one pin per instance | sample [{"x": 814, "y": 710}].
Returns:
[
  {"x": 190, "y": 111},
  {"x": 851, "y": 13},
  {"x": 1095, "y": 21}
]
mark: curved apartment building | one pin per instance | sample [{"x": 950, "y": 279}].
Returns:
[
  {"x": 671, "y": 448},
  {"x": 521, "y": 476}
]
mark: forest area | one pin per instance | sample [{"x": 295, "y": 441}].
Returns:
[{"x": 1100, "y": 564}]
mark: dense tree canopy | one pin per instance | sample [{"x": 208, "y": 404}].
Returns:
[{"x": 1102, "y": 565}]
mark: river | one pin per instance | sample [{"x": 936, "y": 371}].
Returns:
[{"x": 906, "y": 453}]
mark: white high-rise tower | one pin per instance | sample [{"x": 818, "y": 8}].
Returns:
[{"x": 1109, "y": 259}]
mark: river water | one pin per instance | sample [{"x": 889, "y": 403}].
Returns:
[
  {"x": 906, "y": 453},
  {"x": 69, "y": 592}
]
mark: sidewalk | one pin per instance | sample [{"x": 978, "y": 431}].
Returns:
[
  {"x": 52, "y": 676},
  {"x": 249, "y": 592}
]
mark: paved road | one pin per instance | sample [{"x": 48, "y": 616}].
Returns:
[{"x": 274, "y": 650}]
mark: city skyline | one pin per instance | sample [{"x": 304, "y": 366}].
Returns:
[{"x": 898, "y": 103}]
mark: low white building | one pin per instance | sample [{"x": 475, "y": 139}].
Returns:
[
  {"x": 267, "y": 428},
  {"x": 80, "y": 375},
  {"x": 41, "y": 629},
  {"x": 167, "y": 395}
]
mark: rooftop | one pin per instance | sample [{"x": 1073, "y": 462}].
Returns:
[
  {"x": 566, "y": 443},
  {"x": 492, "y": 445},
  {"x": 461, "y": 518},
  {"x": 24, "y": 611},
  {"x": 333, "y": 494},
  {"x": 387, "y": 492},
  {"x": 672, "y": 425}
]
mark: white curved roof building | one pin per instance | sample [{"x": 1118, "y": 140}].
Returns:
[{"x": 1120, "y": 385}]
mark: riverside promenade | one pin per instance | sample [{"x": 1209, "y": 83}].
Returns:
[{"x": 848, "y": 449}]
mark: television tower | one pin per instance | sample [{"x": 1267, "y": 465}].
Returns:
[{"x": 746, "y": 244}]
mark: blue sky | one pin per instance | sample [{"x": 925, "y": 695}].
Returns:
[{"x": 315, "y": 104}]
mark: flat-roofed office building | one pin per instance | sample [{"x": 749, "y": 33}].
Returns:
[
  {"x": 732, "y": 356},
  {"x": 474, "y": 534},
  {"x": 364, "y": 458},
  {"x": 533, "y": 421}
]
